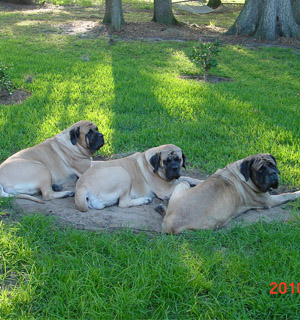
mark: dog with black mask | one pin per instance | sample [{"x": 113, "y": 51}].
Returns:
[{"x": 240, "y": 186}]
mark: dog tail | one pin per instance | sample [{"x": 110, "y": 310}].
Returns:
[
  {"x": 81, "y": 199},
  {"x": 28, "y": 197},
  {"x": 19, "y": 196},
  {"x": 161, "y": 209}
]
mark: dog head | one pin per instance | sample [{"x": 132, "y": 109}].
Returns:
[
  {"x": 166, "y": 161},
  {"x": 262, "y": 170},
  {"x": 86, "y": 134}
]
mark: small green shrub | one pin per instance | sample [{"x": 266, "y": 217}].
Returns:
[
  {"x": 6, "y": 85},
  {"x": 204, "y": 55}
]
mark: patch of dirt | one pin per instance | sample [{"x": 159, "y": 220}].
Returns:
[
  {"x": 86, "y": 23},
  {"x": 159, "y": 32},
  {"x": 17, "y": 97},
  {"x": 209, "y": 78},
  {"x": 151, "y": 31},
  {"x": 141, "y": 218}
]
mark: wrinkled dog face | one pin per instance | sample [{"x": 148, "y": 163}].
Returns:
[
  {"x": 169, "y": 163},
  {"x": 88, "y": 136},
  {"x": 262, "y": 170}
]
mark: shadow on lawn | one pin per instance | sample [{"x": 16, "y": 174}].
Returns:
[
  {"x": 138, "y": 115},
  {"x": 219, "y": 119},
  {"x": 24, "y": 133}
]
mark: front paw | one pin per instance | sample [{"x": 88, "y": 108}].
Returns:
[
  {"x": 70, "y": 194},
  {"x": 147, "y": 200},
  {"x": 57, "y": 187}
]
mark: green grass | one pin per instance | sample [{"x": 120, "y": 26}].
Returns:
[
  {"x": 133, "y": 92},
  {"x": 52, "y": 273}
]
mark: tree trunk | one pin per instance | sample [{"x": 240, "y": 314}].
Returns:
[
  {"x": 113, "y": 14},
  {"x": 296, "y": 10},
  {"x": 163, "y": 12},
  {"x": 108, "y": 10},
  {"x": 117, "y": 18},
  {"x": 214, "y": 3},
  {"x": 266, "y": 19}
]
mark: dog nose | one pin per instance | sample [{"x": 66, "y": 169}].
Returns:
[{"x": 100, "y": 136}]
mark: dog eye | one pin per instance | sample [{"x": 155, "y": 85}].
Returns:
[
  {"x": 177, "y": 159},
  {"x": 167, "y": 160}
]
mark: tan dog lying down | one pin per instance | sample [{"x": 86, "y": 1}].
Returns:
[
  {"x": 133, "y": 180},
  {"x": 240, "y": 186},
  {"x": 44, "y": 167}
]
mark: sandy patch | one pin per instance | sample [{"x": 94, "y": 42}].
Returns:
[{"x": 137, "y": 218}]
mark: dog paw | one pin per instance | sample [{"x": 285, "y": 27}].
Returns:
[
  {"x": 161, "y": 209},
  {"x": 147, "y": 200},
  {"x": 57, "y": 187},
  {"x": 70, "y": 194}
]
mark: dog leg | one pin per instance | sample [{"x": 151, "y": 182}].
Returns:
[
  {"x": 95, "y": 203},
  {"x": 59, "y": 195},
  {"x": 193, "y": 182},
  {"x": 276, "y": 200},
  {"x": 179, "y": 190},
  {"x": 45, "y": 186},
  {"x": 125, "y": 201},
  {"x": 81, "y": 199},
  {"x": 19, "y": 196}
]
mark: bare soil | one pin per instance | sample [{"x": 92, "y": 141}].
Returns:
[
  {"x": 209, "y": 78},
  {"x": 141, "y": 218},
  {"x": 17, "y": 97}
]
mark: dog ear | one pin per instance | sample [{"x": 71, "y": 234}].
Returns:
[
  {"x": 183, "y": 160},
  {"x": 277, "y": 170},
  {"x": 74, "y": 135},
  {"x": 245, "y": 167},
  {"x": 155, "y": 162}
]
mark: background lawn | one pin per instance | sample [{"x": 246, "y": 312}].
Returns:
[{"x": 133, "y": 91}]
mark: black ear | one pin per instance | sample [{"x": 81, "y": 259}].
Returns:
[
  {"x": 74, "y": 135},
  {"x": 246, "y": 167},
  {"x": 183, "y": 160},
  {"x": 155, "y": 161}
]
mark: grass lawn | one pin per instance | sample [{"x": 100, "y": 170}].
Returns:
[
  {"x": 52, "y": 273},
  {"x": 132, "y": 90}
]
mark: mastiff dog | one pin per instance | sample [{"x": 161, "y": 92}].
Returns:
[
  {"x": 46, "y": 166},
  {"x": 240, "y": 186},
  {"x": 133, "y": 180}
]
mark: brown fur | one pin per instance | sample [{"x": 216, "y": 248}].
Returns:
[
  {"x": 52, "y": 162},
  {"x": 130, "y": 181},
  {"x": 222, "y": 196}
]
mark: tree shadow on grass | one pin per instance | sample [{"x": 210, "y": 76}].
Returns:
[
  {"x": 140, "y": 119},
  {"x": 254, "y": 110}
]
